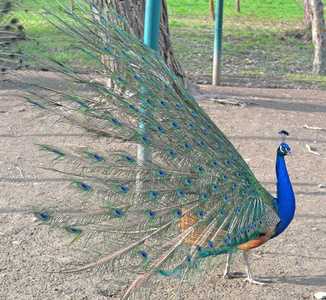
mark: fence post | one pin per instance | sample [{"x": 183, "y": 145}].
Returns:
[
  {"x": 151, "y": 38},
  {"x": 152, "y": 23},
  {"x": 218, "y": 43}
]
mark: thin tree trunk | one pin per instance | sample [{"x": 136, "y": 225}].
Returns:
[
  {"x": 237, "y": 5},
  {"x": 211, "y": 10},
  {"x": 318, "y": 37},
  {"x": 306, "y": 22},
  {"x": 72, "y": 5},
  {"x": 133, "y": 11}
]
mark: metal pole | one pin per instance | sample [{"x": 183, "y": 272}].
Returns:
[
  {"x": 151, "y": 38},
  {"x": 218, "y": 43},
  {"x": 152, "y": 23}
]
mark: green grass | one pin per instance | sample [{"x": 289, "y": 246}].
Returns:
[
  {"x": 51, "y": 41},
  {"x": 262, "y": 10},
  {"x": 262, "y": 40}
]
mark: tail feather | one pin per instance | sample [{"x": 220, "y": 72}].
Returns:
[{"x": 194, "y": 200}]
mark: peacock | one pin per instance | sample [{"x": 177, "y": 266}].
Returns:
[{"x": 169, "y": 193}]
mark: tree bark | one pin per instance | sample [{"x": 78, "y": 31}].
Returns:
[
  {"x": 318, "y": 37},
  {"x": 133, "y": 11},
  {"x": 211, "y": 10},
  {"x": 237, "y": 5},
  {"x": 306, "y": 22}
]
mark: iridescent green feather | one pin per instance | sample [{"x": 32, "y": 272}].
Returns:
[{"x": 196, "y": 199}]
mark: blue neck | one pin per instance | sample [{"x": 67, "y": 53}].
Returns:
[{"x": 285, "y": 202}]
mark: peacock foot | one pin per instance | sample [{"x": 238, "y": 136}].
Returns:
[{"x": 253, "y": 280}]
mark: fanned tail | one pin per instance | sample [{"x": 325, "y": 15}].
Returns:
[{"x": 195, "y": 199}]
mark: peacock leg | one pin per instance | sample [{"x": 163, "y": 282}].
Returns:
[
  {"x": 250, "y": 278},
  {"x": 227, "y": 273}
]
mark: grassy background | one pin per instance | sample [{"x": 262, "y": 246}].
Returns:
[
  {"x": 263, "y": 45},
  {"x": 265, "y": 9}
]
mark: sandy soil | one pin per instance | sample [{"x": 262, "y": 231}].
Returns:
[{"x": 295, "y": 261}]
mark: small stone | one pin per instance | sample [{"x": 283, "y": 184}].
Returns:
[
  {"x": 260, "y": 252},
  {"x": 322, "y": 186},
  {"x": 320, "y": 295}
]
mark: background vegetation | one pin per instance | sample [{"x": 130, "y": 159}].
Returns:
[{"x": 263, "y": 44}]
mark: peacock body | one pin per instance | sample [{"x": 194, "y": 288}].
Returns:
[{"x": 169, "y": 213}]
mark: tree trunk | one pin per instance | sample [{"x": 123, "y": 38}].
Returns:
[
  {"x": 72, "y": 5},
  {"x": 211, "y": 10},
  {"x": 306, "y": 22},
  {"x": 237, "y": 5},
  {"x": 133, "y": 11},
  {"x": 318, "y": 37}
]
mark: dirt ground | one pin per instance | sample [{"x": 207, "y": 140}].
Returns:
[{"x": 295, "y": 261}]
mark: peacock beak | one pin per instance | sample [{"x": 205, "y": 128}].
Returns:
[{"x": 290, "y": 153}]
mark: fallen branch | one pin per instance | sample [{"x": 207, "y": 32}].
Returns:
[
  {"x": 314, "y": 128},
  {"x": 311, "y": 151}
]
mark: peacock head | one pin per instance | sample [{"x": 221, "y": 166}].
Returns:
[{"x": 284, "y": 149}]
